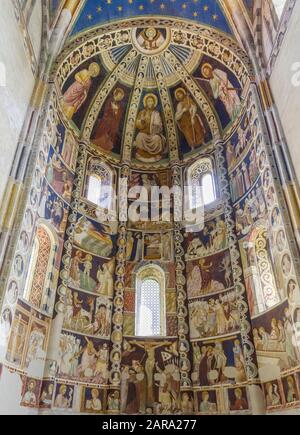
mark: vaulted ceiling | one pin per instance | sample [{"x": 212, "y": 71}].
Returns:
[
  {"x": 97, "y": 12},
  {"x": 164, "y": 59}
]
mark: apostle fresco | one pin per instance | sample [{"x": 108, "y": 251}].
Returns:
[
  {"x": 238, "y": 400},
  {"x": 207, "y": 403},
  {"x": 106, "y": 133},
  {"x": 77, "y": 93},
  {"x": 46, "y": 395},
  {"x": 272, "y": 394},
  {"x": 93, "y": 400},
  {"x": 290, "y": 389},
  {"x": 222, "y": 89},
  {"x": 30, "y": 396},
  {"x": 188, "y": 120},
  {"x": 150, "y": 142},
  {"x": 64, "y": 398}
]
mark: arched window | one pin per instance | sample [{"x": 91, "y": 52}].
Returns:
[
  {"x": 99, "y": 185},
  {"x": 260, "y": 278},
  {"x": 150, "y": 302},
  {"x": 201, "y": 183},
  {"x": 39, "y": 291}
]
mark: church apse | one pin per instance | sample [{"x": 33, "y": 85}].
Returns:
[{"x": 141, "y": 316}]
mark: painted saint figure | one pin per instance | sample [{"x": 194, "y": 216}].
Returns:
[
  {"x": 150, "y": 143},
  {"x": 188, "y": 120},
  {"x": 77, "y": 93},
  {"x": 223, "y": 89},
  {"x": 107, "y": 131}
]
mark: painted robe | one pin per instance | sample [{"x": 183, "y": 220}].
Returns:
[
  {"x": 106, "y": 134},
  {"x": 224, "y": 90},
  {"x": 77, "y": 93},
  {"x": 190, "y": 123},
  {"x": 150, "y": 142}
]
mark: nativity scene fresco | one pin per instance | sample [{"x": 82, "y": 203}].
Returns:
[{"x": 108, "y": 312}]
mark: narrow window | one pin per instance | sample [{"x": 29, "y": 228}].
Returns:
[
  {"x": 201, "y": 183},
  {"x": 150, "y": 303},
  {"x": 99, "y": 185}
]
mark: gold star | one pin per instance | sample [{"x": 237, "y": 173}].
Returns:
[
  {"x": 130, "y": 2},
  {"x": 109, "y": 2},
  {"x": 90, "y": 17},
  {"x": 99, "y": 9},
  {"x": 205, "y": 8},
  {"x": 141, "y": 7},
  {"x": 215, "y": 17},
  {"x": 120, "y": 8},
  {"x": 184, "y": 6},
  {"x": 195, "y": 14},
  {"x": 162, "y": 6}
]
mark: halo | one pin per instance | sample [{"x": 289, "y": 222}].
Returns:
[
  {"x": 95, "y": 67},
  {"x": 179, "y": 90},
  {"x": 204, "y": 66},
  {"x": 119, "y": 90},
  {"x": 153, "y": 96}
]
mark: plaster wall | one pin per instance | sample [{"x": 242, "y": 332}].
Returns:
[
  {"x": 285, "y": 85},
  {"x": 18, "y": 80}
]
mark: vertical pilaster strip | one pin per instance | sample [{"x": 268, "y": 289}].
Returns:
[
  {"x": 182, "y": 302},
  {"x": 118, "y": 303},
  {"x": 133, "y": 110},
  {"x": 168, "y": 109},
  {"x": 237, "y": 269}
]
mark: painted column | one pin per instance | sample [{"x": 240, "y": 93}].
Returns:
[
  {"x": 118, "y": 303},
  {"x": 182, "y": 306}
]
